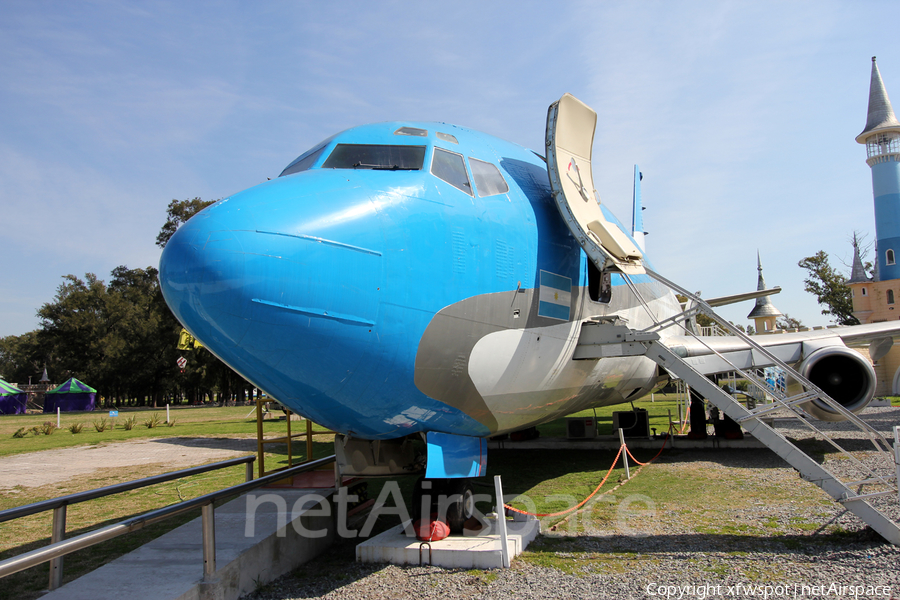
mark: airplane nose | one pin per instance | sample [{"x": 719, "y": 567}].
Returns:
[
  {"x": 201, "y": 273},
  {"x": 269, "y": 274}
]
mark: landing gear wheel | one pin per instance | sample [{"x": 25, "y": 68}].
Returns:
[
  {"x": 460, "y": 503},
  {"x": 424, "y": 487}
]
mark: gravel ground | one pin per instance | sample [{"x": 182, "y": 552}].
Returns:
[{"x": 671, "y": 559}]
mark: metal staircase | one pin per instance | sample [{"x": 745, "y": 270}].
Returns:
[
  {"x": 569, "y": 141},
  {"x": 602, "y": 339}
]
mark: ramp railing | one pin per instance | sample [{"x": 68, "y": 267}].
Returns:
[{"x": 59, "y": 546}]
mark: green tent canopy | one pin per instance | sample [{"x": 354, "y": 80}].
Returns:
[{"x": 12, "y": 399}]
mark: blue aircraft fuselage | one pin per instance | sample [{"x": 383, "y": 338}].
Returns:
[{"x": 405, "y": 277}]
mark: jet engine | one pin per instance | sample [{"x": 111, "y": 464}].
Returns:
[{"x": 845, "y": 375}]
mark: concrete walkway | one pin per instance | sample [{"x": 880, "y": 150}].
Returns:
[
  {"x": 259, "y": 537},
  {"x": 35, "y": 469}
]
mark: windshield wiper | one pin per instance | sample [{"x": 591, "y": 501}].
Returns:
[{"x": 384, "y": 167}]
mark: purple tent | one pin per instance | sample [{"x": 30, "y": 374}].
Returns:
[
  {"x": 70, "y": 396},
  {"x": 12, "y": 399}
]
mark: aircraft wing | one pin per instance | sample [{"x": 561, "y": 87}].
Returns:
[{"x": 792, "y": 348}]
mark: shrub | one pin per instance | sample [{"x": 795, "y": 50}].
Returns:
[
  {"x": 153, "y": 421},
  {"x": 76, "y": 427},
  {"x": 22, "y": 432},
  {"x": 171, "y": 423},
  {"x": 129, "y": 423},
  {"x": 101, "y": 425},
  {"x": 48, "y": 428}
]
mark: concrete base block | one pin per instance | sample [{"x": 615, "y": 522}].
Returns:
[
  {"x": 259, "y": 537},
  {"x": 459, "y": 552}
]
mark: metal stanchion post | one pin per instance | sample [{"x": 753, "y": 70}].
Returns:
[
  {"x": 208, "y": 518},
  {"x": 897, "y": 458},
  {"x": 624, "y": 453},
  {"x": 501, "y": 522},
  {"x": 57, "y": 534}
]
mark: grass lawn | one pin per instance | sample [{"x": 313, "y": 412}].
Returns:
[{"x": 188, "y": 422}]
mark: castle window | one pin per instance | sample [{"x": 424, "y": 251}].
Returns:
[
  {"x": 889, "y": 255},
  {"x": 864, "y": 292},
  {"x": 890, "y": 296}
]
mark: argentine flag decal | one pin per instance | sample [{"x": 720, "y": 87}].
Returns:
[{"x": 556, "y": 296}]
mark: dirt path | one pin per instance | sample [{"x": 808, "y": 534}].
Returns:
[{"x": 35, "y": 469}]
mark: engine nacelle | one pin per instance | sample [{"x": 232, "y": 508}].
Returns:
[{"x": 843, "y": 374}]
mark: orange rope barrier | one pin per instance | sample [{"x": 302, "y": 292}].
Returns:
[
  {"x": 579, "y": 505},
  {"x": 597, "y": 489},
  {"x": 684, "y": 425},
  {"x": 627, "y": 451}
]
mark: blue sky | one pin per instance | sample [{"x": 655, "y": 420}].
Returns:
[{"x": 741, "y": 115}]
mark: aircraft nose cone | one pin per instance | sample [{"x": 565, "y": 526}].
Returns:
[
  {"x": 201, "y": 272},
  {"x": 277, "y": 286}
]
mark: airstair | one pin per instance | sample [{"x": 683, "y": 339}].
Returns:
[
  {"x": 873, "y": 486},
  {"x": 872, "y": 481}
]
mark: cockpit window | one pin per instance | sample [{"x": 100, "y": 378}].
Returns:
[
  {"x": 379, "y": 157},
  {"x": 303, "y": 162},
  {"x": 450, "y": 167},
  {"x": 412, "y": 131},
  {"x": 447, "y": 137},
  {"x": 488, "y": 180}
]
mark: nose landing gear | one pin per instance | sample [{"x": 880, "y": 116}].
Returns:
[{"x": 452, "y": 500}]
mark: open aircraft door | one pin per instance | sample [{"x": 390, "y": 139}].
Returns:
[{"x": 570, "y": 138}]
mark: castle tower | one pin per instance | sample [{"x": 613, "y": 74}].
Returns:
[
  {"x": 876, "y": 299},
  {"x": 764, "y": 314},
  {"x": 882, "y": 139}
]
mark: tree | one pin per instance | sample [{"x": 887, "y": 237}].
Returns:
[
  {"x": 786, "y": 321},
  {"x": 21, "y": 358},
  {"x": 177, "y": 214},
  {"x": 830, "y": 288},
  {"x": 73, "y": 328},
  {"x": 119, "y": 338},
  {"x": 702, "y": 319},
  {"x": 141, "y": 349}
]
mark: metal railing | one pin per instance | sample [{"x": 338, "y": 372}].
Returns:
[
  {"x": 287, "y": 439},
  {"x": 59, "y": 547},
  {"x": 58, "y": 505}
]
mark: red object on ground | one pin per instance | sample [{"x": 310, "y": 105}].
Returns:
[{"x": 431, "y": 529}]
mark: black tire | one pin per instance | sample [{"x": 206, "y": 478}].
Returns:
[
  {"x": 420, "y": 490},
  {"x": 460, "y": 502}
]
